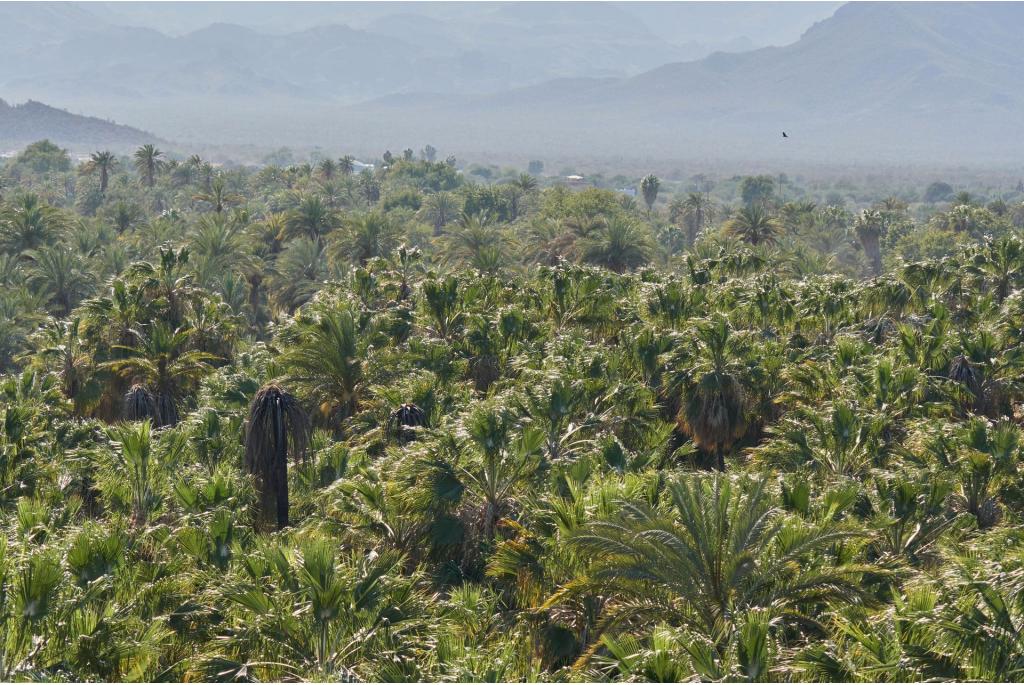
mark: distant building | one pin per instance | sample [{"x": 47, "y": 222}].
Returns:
[
  {"x": 576, "y": 180},
  {"x": 359, "y": 167},
  {"x": 631, "y": 192}
]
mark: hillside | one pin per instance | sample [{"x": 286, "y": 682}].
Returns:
[
  {"x": 33, "y": 120},
  {"x": 876, "y": 79}
]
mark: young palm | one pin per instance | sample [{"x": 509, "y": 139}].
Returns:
[{"x": 719, "y": 552}]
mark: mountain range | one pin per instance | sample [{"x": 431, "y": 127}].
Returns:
[{"x": 869, "y": 81}]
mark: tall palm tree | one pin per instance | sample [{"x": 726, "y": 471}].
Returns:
[
  {"x": 328, "y": 169},
  {"x": 870, "y": 227},
  {"x": 753, "y": 225},
  {"x": 520, "y": 187},
  {"x": 277, "y": 428},
  {"x": 148, "y": 162},
  {"x": 346, "y": 165},
  {"x": 104, "y": 164},
  {"x": 649, "y": 187},
  {"x": 696, "y": 211}
]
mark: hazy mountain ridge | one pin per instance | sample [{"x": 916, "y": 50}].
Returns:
[
  {"x": 32, "y": 121},
  {"x": 100, "y": 51},
  {"x": 932, "y": 78},
  {"x": 893, "y": 81}
]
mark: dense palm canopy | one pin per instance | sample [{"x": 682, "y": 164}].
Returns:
[{"x": 290, "y": 423}]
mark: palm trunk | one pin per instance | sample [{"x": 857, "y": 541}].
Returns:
[{"x": 280, "y": 469}]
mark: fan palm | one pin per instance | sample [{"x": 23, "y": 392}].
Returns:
[
  {"x": 649, "y": 187},
  {"x": 870, "y": 227},
  {"x": 277, "y": 429},
  {"x": 714, "y": 409}
]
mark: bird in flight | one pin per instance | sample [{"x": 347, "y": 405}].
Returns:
[{"x": 785, "y": 135}]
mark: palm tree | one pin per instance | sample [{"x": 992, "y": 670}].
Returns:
[
  {"x": 218, "y": 196},
  {"x": 620, "y": 245},
  {"x": 277, "y": 429},
  {"x": 870, "y": 227},
  {"x": 696, "y": 212},
  {"x": 61, "y": 273},
  {"x": 522, "y": 186},
  {"x": 133, "y": 450},
  {"x": 148, "y": 163},
  {"x": 506, "y": 463},
  {"x": 104, "y": 163},
  {"x": 299, "y": 271},
  {"x": 718, "y": 553},
  {"x": 440, "y": 209},
  {"x": 161, "y": 362},
  {"x": 649, "y": 187},
  {"x": 328, "y": 169},
  {"x": 346, "y": 165},
  {"x": 313, "y": 218},
  {"x": 218, "y": 248},
  {"x": 715, "y": 405},
  {"x": 27, "y": 223},
  {"x": 753, "y": 225},
  {"x": 325, "y": 362},
  {"x": 366, "y": 236}
]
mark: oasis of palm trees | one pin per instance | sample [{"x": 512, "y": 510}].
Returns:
[{"x": 441, "y": 424}]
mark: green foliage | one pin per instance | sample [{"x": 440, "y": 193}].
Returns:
[{"x": 298, "y": 424}]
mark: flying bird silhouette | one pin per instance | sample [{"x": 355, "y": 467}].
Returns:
[{"x": 785, "y": 135}]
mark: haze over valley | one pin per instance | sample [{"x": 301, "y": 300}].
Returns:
[{"x": 890, "y": 82}]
